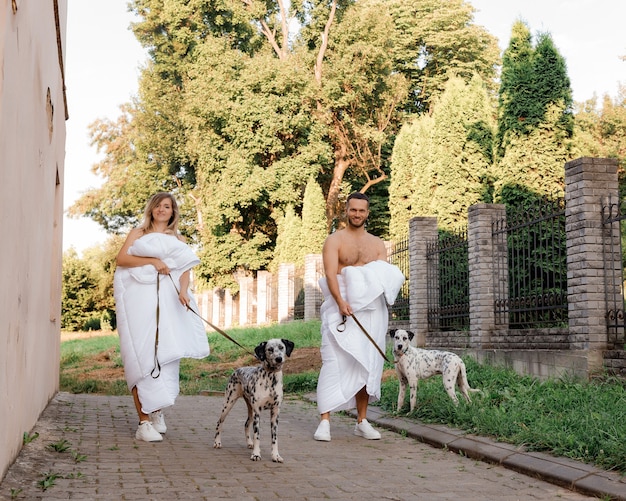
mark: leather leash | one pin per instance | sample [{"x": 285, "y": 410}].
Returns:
[
  {"x": 382, "y": 353},
  {"x": 157, "y": 365},
  {"x": 217, "y": 329}
]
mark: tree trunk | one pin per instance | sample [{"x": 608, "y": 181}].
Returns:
[{"x": 334, "y": 207}]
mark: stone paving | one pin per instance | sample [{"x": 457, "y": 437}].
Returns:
[{"x": 105, "y": 462}]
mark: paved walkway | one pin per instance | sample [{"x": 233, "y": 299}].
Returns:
[{"x": 105, "y": 462}]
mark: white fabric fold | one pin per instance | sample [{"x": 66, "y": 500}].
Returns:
[
  {"x": 350, "y": 361},
  {"x": 181, "y": 332}
]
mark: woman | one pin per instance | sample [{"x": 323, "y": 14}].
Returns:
[{"x": 155, "y": 321}]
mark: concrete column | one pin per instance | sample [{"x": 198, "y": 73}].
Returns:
[
  {"x": 488, "y": 272},
  {"x": 245, "y": 299},
  {"x": 421, "y": 231},
  {"x": 228, "y": 309},
  {"x": 588, "y": 183},
  {"x": 312, "y": 292},
  {"x": 286, "y": 272},
  {"x": 262, "y": 306},
  {"x": 217, "y": 303}
]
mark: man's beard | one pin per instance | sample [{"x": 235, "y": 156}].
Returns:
[{"x": 355, "y": 226}]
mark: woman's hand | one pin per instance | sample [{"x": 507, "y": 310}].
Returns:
[{"x": 161, "y": 267}]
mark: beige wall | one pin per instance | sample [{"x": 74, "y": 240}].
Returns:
[{"x": 32, "y": 153}]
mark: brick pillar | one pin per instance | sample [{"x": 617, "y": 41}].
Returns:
[
  {"x": 286, "y": 272},
  {"x": 312, "y": 291},
  {"x": 588, "y": 182},
  {"x": 421, "y": 231},
  {"x": 262, "y": 308},
  {"x": 487, "y": 275}
]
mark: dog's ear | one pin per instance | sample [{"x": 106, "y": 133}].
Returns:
[
  {"x": 392, "y": 332},
  {"x": 289, "y": 346},
  {"x": 411, "y": 335},
  {"x": 259, "y": 351}
]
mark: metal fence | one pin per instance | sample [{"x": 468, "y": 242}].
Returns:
[
  {"x": 535, "y": 294},
  {"x": 613, "y": 221},
  {"x": 399, "y": 256},
  {"x": 447, "y": 277}
]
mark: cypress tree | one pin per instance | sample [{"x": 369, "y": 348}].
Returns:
[
  {"x": 313, "y": 219},
  {"x": 535, "y": 120}
]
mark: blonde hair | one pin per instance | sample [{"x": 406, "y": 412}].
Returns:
[{"x": 148, "y": 222}]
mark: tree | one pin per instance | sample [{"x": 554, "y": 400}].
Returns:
[
  {"x": 442, "y": 162},
  {"x": 313, "y": 219},
  {"x": 235, "y": 111},
  {"x": 535, "y": 119},
  {"x": 78, "y": 304},
  {"x": 289, "y": 240},
  {"x": 602, "y": 132}
]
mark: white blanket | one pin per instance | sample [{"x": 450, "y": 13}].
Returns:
[
  {"x": 350, "y": 361},
  {"x": 181, "y": 332}
]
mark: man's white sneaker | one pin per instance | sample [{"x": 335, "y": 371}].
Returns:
[
  {"x": 147, "y": 433},
  {"x": 323, "y": 431},
  {"x": 365, "y": 430},
  {"x": 158, "y": 421}
]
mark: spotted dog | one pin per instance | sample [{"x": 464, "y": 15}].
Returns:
[
  {"x": 413, "y": 364},
  {"x": 262, "y": 388}
]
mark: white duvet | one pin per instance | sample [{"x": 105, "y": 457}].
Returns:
[
  {"x": 350, "y": 361},
  {"x": 181, "y": 332}
]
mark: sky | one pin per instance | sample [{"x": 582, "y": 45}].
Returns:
[{"x": 103, "y": 61}]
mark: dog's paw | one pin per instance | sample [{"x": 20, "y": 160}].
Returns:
[
  {"x": 277, "y": 459},
  {"x": 250, "y": 445},
  {"x": 255, "y": 457},
  {"x": 217, "y": 444}
]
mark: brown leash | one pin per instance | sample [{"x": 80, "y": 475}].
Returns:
[
  {"x": 157, "y": 365},
  {"x": 217, "y": 329},
  {"x": 382, "y": 353}
]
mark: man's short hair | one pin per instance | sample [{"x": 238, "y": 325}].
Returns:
[{"x": 359, "y": 196}]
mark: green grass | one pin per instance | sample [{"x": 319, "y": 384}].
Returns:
[
  {"x": 585, "y": 421},
  {"x": 582, "y": 420}
]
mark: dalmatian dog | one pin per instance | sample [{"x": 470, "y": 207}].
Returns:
[
  {"x": 413, "y": 364},
  {"x": 262, "y": 388}
]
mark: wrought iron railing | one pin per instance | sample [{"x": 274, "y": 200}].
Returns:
[
  {"x": 399, "y": 256},
  {"x": 447, "y": 277},
  {"x": 535, "y": 292}
]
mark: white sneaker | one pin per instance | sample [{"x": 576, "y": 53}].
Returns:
[
  {"x": 323, "y": 431},
  {"x": 147, "y": 433},
  {"x": 365, "y": 430},
  {"x": 158, "y": 421}
]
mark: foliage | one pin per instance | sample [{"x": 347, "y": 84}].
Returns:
[
  {"x": 441, "y": 161},
  {"x": 236, "y": 111},
  {"x": 288, "y": 242},
  {"x": 78, "y": 302},
  {"x": 535, "y": 117},
  {"x": 314, "y": 226},
  {"x": 87, "y": 301},
  {"x": 601, "y": 132}
]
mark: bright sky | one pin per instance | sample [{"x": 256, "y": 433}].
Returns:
[{"x": 103, "y": 60}]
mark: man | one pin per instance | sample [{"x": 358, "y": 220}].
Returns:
[{"x": 358, "y": 282}]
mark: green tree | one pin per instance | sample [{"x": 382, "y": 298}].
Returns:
[
  {"x": 235, "y": 112},
  {"x": 289, "y": 240},
  {"x": 442, "y": 162},
  {"x": 77, "y": 300},
  {"x": 313, "y": 219},
  {"x": 601, "y": 132},
  {"x": 535, "y": 119}
]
